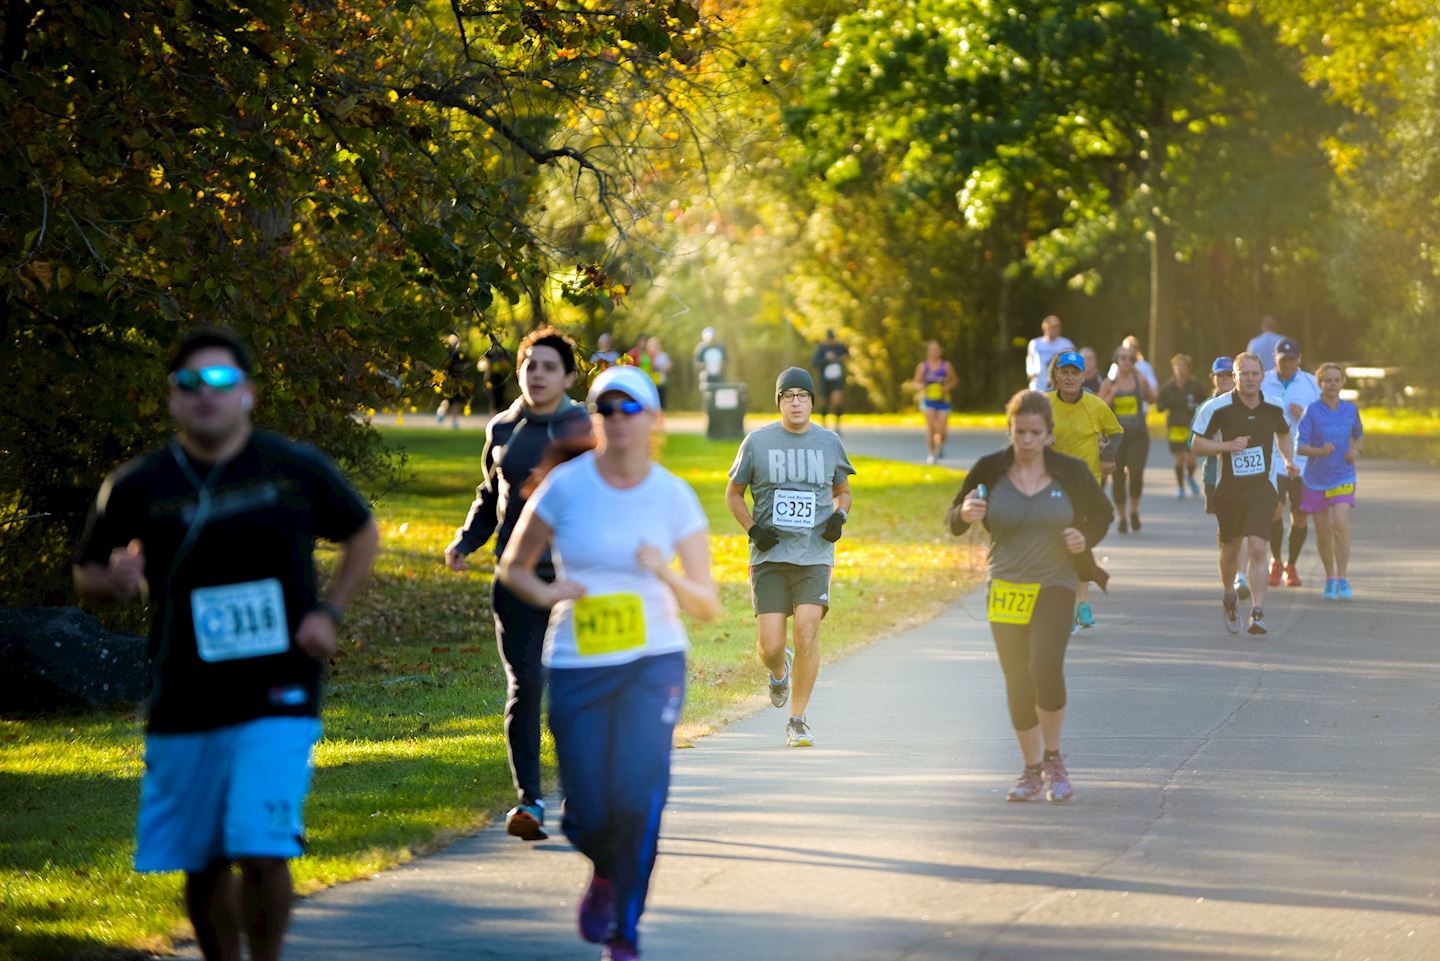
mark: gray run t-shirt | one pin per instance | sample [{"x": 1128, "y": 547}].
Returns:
[
  {"x": 1027, "y": 535},
  {"x": 790, "y": 477}
]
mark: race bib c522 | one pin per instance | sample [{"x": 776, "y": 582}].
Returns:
[
  {"x": 1179, "y": 433},
  {"x": 934, "y": 392},
  {"x": 608, "y": 623},
  {"x": 1248, "y": 462},
  {"x": 1127, "y": 405},
  {"x": 794, "y": 510},
  {"x": 1341, "y": 491},
  {"x": 235, "y": 621},
  {"x": 1012, "y": 603}
]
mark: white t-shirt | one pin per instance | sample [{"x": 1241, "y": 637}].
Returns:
[
  {"x": 627, "y": 613},
  {"x": 1037, "y": 359},
  {"x": 1304, "y": 390}
]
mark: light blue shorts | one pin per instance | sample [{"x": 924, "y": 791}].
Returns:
[{"x": 230, "y": 793}]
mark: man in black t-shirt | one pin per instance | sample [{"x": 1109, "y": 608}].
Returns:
[
  {"x": 830, "y": 360},
  {"x": 220, "y": 526},
  {"x": 1244, "y": 430},
  {"x": 1179, "y": 398}
]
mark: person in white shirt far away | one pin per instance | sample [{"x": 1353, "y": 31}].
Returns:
[
  {"x": 1262, "y": 345},
  {"x": 1042, "y": 349}
]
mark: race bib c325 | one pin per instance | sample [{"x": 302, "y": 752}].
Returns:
[
  {"x": 794, "y": 510},
  {"x": 608, "y": 623},
  {"x": 236, "y": 621},
  {"x": 1012, "y": 603}
]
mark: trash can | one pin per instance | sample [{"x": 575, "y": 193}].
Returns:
[{"x": 725, "y": 411}]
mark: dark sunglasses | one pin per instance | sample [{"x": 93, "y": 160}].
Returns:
[
  {"x": 606, "y": 408},
  {"x": 219, "y": 378}
]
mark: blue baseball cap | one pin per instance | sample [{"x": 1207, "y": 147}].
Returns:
[
  {"x": 1223, "y": 365},
  {"x": 1071, "y": 358}
]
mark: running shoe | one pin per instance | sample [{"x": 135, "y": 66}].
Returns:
[
  {"x": 1135, "y": 522},
  {"x": 1257, "y": 621},
  {"x": 1343, "y": 591},
  {"x": 597, "y": 910},
  {"x": 780, "y": 690},
  {"x": 1121, "y": 526},
  {"x": 929, "y": 458},
  {"x": 1179, "y": 493},
  {"x": 1331, "y": 584},
  {"x": 798, "y": 733},
  {"x": 1083, "y": 615},
  {"x": 1194, "y": 488},
  {"x": 1232, "y": 613},
  {"x": 1028, "y": 786},
  {"x": 1292, "y": 577},
  {"x": 1057, "y": 780},
  {"x": 1242, "y": 587},
  {"x": 526, "y": 822},
  {"x": 619, "y": 951},
  {"x": 1275, "y": 571}
]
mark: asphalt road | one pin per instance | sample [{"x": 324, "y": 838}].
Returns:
[{"x": 1235, "y": 798}]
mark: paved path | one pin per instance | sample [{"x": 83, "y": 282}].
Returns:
[{"x": 1235, "y": 798}]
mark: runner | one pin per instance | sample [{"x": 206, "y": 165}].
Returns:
[
  {"x": 517, "y": 442},
  {"x": 1222, "y": 379},
  {"x": 1330, "y": 436},
  {"x": 220, "y": 524},
  {"x": 457, "y": 388},
  {"x": 934, "y": 380},
  {"x": 1244, "y": 429},
  {"x": 614, "y": 521},
  {"x": 1292, "y": 390},
  {"x": 1127, "y": 392},
  {"x": 830, "y": 360},
  {"x": 1084, "y": 426},
  {"x": 1142, "y": 366},
  {"x": 1044, "y": 512},
  {"x": 1093, "y": 380},
  {"x": 1042, "y": 350},
  {"x": 1178, "y": 399},
  {"x": 798, "y": 476}
]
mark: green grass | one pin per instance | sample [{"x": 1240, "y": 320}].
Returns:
[
  {"x": 413, "y": 753},
  {"x": 1402, "y": 434}
]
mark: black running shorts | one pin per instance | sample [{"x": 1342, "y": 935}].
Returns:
[
  {"x": 1246, "y": 514},
  {"x": 777, "y": 588}
]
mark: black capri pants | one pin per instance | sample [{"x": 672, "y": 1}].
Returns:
[
  {"x": 1130, "y": 465},
  {"x": 1033, "y": 656}
]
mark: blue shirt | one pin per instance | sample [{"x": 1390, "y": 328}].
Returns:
[{"x": 1321, "y": 426}]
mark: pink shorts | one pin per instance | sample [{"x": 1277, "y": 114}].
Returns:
[{"x": 1313, "y": 501}]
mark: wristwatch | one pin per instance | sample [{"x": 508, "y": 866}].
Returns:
[{"x": 333, "y": 610}]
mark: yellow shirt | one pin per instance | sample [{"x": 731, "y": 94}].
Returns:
[{"x": 1079, "y": 427}]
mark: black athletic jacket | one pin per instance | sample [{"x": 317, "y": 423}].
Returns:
[
  {"x": 1093, "y": 512},
  {"x": 516, "y": 442}
]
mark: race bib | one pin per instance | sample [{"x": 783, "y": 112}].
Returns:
[
  {"x": 1248, "y": 462},
  {"x": 1179, "y": 434},
  {"x": 1012, "y": 603},
  {"x": 236, "y": 621},
  {"x": 833, "y": 372},
  {"x": 1127, "y": 405},
  {"x": 794, "y": 509},
  {"x": 1341, "y": 491},
  {"x": 934, "y": 392},
  {"x": 608, "y": 623}
]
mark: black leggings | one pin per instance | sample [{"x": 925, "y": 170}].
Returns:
[
  {"x": 1033, "y": 656},
  {"x": 1130, "y": 460},
  {"x": 520, "y": 636}
]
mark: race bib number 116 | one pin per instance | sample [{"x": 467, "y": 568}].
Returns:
[{"x": 235, "y": 621}]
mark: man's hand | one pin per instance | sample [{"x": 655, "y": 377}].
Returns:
[
  {"x": 1291, "y": 470},
  {"x": 833, "y": 525},
  {"x": 127, "y": 569},
  {"x": 1237, "y": 445},
  {"x": 455, "y": 560},
  {"x": 1107, "y": 467},
  {"x": 763, "y": 536},
  {"x": 316, "y": 636},
  {"x": 1074, "y": 540}
]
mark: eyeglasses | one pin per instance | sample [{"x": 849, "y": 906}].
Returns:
[
  {"x": 220, "y": 378},
  {"x": 793, "y": 395},
  {"x": 607, "y": 408}
]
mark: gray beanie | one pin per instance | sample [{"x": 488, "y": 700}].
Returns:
[{"x": 794, "y": 378}]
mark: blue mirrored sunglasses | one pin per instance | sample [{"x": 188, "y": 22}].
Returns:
[
  {"x": 607, "y": 408},
  {"x": 219, "y": 378}
]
